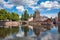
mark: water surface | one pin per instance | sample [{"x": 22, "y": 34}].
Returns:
[{"x": 29, "y": 33}]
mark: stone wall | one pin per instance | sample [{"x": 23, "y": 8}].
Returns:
[{"x": 8, "y": 23}]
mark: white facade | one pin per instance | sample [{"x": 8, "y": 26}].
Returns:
[{"x": 30, "y": 19}]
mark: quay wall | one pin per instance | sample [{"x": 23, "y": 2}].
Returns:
[{"x": 9, "y": 23}]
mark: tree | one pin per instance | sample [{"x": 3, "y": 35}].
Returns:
[
  {"x": 25, "y": 29},
  {"x": 34, "y": 14},
  {"x": 8, "y": 15},
  {"x": 31, "y": 15},
  {"x": 25, "y": 16},
  {"x": 15, "y": 17},
  {"x": 22, "y": 18},
  {"x": 5, "y": 15}
]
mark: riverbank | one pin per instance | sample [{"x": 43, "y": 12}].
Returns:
[
  {"x": 48, "y": 35},
  {"x": 9, "y": 23}
]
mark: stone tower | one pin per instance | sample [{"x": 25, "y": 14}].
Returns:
[
  {"x": 36, "y": 16},
  {"x": 59, "y": 22}
]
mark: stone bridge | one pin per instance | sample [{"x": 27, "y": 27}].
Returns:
[
  {"x": 34, "y": 23},
  {"x": 22, "y": 22}
]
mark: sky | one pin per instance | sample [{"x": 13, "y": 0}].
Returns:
[{"x": 48, "y": 8}]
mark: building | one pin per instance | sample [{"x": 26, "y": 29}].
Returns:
[
  {"x": 43, "y": 18},
  {"x": 59, "y": 22},
  {"x": 59, "y": 16},
  {"x": 30, "y": 19},
  {"x": 48, "y": 20},
  {"x": 36, "y": 16},
  {"x": 56, "y": 19}
]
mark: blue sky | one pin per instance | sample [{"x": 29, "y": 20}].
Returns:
[{"x": 48, "y": 8}]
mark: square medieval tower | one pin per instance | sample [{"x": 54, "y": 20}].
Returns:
[{"x": 36, "y": 16}]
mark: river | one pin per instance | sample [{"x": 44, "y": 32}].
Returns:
[{"x": 29, "y": 33}]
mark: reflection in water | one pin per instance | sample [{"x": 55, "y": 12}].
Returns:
[
  {"x": 36, "y": 30},
  {"x": 6, "y": 31},
  {"x": 48, "y": 34},
  {"x": 59, "y": 28},
  {"x": 25, "y": 29}
]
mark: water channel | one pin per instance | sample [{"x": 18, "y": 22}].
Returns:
[{"x": 29, "y": 33}]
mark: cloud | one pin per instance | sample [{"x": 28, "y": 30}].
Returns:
[
  {"x": 30, "y": 3},
  {"x": 18, "y": 3},
  {"x": 4, "y": 4},
  {"x": 56, "y": 0},
  {"x": 7, "y": 5},
  {"x": 20, "y": 8},
  {"x": 1, "y": 4},
  {"x": 23, "y": 2},
  {"x": 50, "y": 5},
  {"x": 1, "y": 1},
  {"x": 50, "y": 15},
  {"x": 27, "y": 3},
  {"x": 34, "y": 7}
]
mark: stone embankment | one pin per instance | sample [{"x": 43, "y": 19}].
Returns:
[{"x": 9, "y": 23}]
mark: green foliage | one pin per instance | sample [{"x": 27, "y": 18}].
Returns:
[
  {"x": 8, "y": 15},
  {"x": 22, "y": 18},
  {"x": 6, "y": 31},
  {"x": 4, "y": 15},
  {"x": 15, "y": 17},
  {"x": 25, "y": 29},
  {"x": 31, "y": 15},
  {"x": 25, "y": 16}
]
